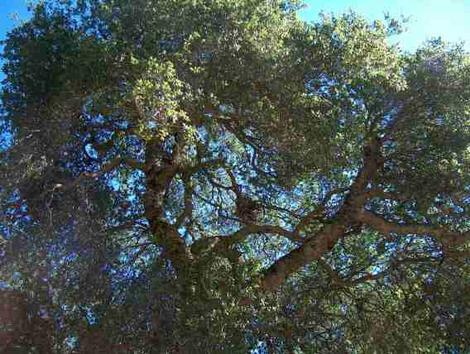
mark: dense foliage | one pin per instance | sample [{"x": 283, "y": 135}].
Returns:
[{"x": 218, "y": 176}]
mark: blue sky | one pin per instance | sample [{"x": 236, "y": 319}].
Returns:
[
  {"x": 449, "y": 19},
  {"x": 8, "y": 8}
]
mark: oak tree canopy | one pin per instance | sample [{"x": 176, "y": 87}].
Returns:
[{"x": 219, "y": 176}]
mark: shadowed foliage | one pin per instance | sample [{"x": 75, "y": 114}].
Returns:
[{"x": 218, "y": 176}]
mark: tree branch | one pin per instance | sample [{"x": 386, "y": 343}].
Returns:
[
  {"x": 318, "y": 213},
  {"x": 250, "y": 229},
  {"x": 325, "y": 239},
  {"x": 440, "y": 233}
]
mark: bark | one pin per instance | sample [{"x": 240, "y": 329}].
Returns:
[
  {"x": 440, "y": 233},
  {"x": 160, "y": 170},
  {"x": 353, "y": 214},
  {"x": 324, "y": 240},
  {"x": 303, "y": 255}
]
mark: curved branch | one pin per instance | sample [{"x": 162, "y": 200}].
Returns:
[
  {"x": 251, "y": 229},
  {"x": 325, "y": 239},
  {"x": 440, "y": 233},
  {"x": 225, "y": 242}
]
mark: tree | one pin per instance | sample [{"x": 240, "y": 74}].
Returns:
[{"x": 219, "y": 176}]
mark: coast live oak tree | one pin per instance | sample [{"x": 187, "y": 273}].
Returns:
[{"x": 211, "y": 176}]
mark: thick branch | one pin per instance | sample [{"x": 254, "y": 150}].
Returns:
[
  {"x": 310, "y": 251},
  {"x": 251, "y": 229},
  {"x": 440, "y": 233},
  {"x": 331, "y": 233},
  {"x": 159, "y": 172}
]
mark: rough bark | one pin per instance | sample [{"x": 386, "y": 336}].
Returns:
[
  {"x": 312, "y": 250},
  {"x": 352, "y": 214},
  {"x": 440, "y": 233},
  {"x": 159, "y": 170},
  {"x": 324, "y": 240}
]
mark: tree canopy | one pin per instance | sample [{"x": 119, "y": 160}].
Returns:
[{"x": 219, "y": 176}]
